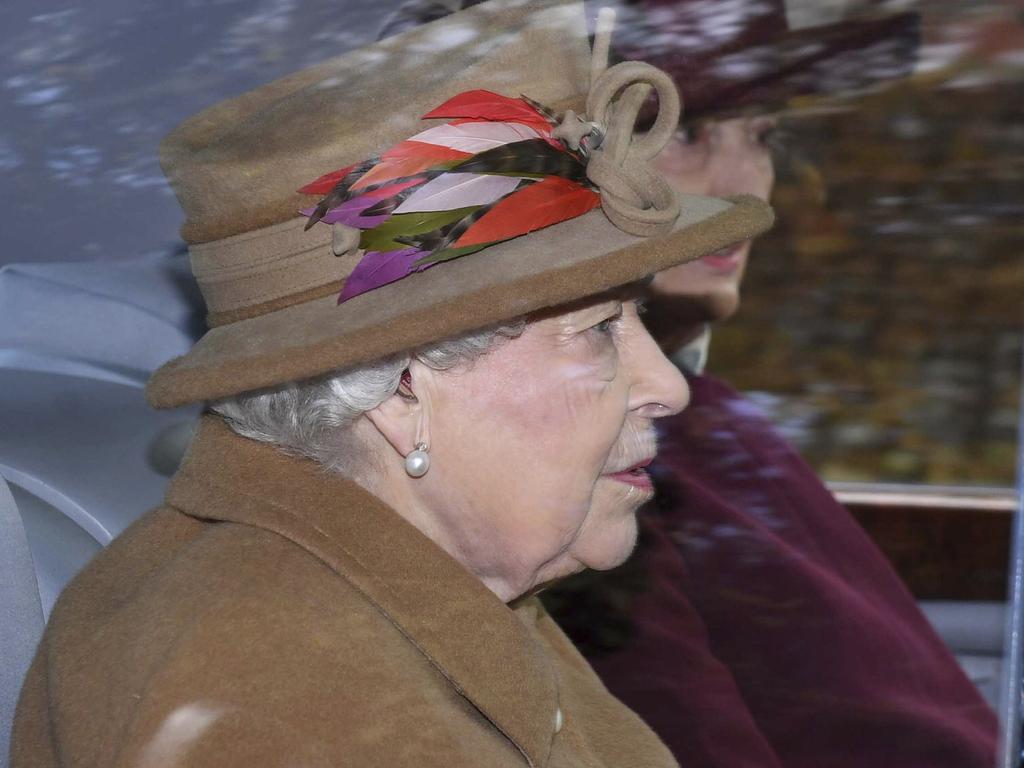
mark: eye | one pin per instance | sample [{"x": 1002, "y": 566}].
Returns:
[
  {"x": 607, "y": 325},
  {"x": 768, "y": 135},
  {"x": 688, "y": 133}
]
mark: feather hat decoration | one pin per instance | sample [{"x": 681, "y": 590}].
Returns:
[
  {"x": 488, "y": 170},
  {"x": 491, "y": 174}
]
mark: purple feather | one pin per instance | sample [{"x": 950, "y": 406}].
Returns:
[
  {"x": 378, "y": 268},
  {"x": 350, "y": 213}
]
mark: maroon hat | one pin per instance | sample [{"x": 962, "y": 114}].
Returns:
[{"x": 727, "y": 55}]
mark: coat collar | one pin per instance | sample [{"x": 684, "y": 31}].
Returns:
[{"x": 487, "y": 652}]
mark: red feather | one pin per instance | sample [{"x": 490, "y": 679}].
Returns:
[
  {"x": 413, "y": 148},
  {"x": 407, "y": 159},
  {"x": 326, "y": 183},
  {"x": 486, "y": 105},
  {"x": 536, "y": 206}
]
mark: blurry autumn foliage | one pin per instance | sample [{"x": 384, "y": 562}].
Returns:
[{"x": 882, "y": 318}]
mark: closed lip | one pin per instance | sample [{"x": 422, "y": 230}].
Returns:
[{"x": 632, "y": 467}]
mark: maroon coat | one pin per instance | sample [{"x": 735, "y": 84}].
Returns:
[{"x": 758, "y": 625}]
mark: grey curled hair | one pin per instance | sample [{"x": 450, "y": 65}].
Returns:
[{"x": 312, "y": 418}]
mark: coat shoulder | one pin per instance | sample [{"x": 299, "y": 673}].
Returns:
[{"x": 243, "y": 640}]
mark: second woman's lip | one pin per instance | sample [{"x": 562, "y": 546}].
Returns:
[{"x": 725, "y": 260}]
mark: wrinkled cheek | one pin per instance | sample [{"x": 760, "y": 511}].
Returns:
[
  {"x": 610, "y": 531},
  {"x": 583, "y": 399},
  {"x": 572, "y": 399},
  {"x": 571, "y": 427},
  {"x": 589, "y": 390}
]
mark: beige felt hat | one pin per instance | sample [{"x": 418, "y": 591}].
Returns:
[{"x": 270, "y": 285}]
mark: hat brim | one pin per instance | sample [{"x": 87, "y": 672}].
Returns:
[{"x": 553, "y": 266}]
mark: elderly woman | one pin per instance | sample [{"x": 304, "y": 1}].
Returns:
[{"x": 343, "y": 568}]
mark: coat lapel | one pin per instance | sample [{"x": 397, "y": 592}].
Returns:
[{"x": 463, "y": 629}]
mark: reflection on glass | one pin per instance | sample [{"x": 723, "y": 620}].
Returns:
[{"x": 881, "y": 327}]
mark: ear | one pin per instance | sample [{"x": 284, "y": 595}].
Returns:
[{"x": 404, "y": 418}]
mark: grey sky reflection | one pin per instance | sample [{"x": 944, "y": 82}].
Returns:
[{"x": 87, "y": 91}]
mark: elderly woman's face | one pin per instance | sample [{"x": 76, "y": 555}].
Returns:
[{"x": 537, "y": 448}]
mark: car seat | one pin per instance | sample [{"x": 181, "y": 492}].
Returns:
[{"x": 21, "y": 612}]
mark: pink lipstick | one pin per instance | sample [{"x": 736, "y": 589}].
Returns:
[{"x": 725, "y": 260}]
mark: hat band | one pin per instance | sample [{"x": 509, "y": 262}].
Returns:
[{"x": 267, "y": 269}]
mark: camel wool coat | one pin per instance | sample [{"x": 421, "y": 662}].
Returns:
[{"x": 271, "y": 614}]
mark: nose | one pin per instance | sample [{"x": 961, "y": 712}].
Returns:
[{"x": 658, "y": 388}]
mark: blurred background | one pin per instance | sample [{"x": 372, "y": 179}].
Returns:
[{"x": 883, "y": 315}]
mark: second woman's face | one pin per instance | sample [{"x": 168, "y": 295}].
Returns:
[
  {"x": 537, "y": 449},
  {"x": 718, "y": 158}
]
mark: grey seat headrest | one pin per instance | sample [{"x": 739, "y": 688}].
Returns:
[{"x": 21, "y": 612}]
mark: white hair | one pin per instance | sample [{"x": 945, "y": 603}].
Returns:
[{"x": 313, "y": 418}]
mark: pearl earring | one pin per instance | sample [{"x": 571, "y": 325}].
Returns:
[{"x": 418, "y": 461}]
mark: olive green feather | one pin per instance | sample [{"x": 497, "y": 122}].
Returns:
[
  {"x": 442, "y": 238},
  {"x": 405, "y": 229}
]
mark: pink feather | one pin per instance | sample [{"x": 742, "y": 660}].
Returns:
[
  {"x": 476, "y": 137},
  {"x": 458, "y": 190}
]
